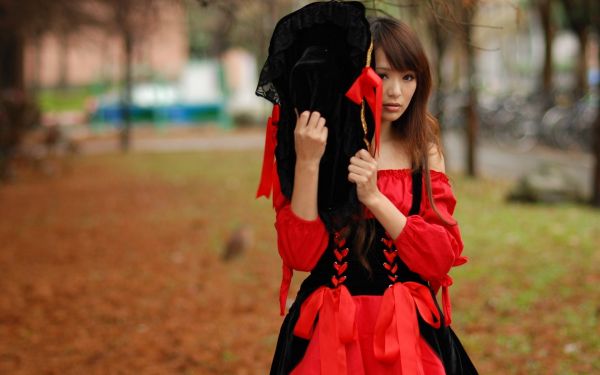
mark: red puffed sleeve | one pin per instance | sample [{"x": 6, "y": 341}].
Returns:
[
  {"x": 300, "y": 242},
  {"x": 431, "y": 247},
  {"x": 427, "y": 245}
]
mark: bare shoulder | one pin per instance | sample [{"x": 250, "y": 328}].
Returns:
[{"x": 436, "y": 159}]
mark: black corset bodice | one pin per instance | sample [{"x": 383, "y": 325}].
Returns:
[{"x": 340, "y": 265}]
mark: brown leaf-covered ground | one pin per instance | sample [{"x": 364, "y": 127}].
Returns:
[{"x": 104, "y": 272}]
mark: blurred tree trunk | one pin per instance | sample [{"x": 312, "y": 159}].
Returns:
[
  {"x": 127, "y": 89},
  {"x": 596, "y": 142},
  {"x": 25, "y": 20},
  {"x": 12, "y": 61},
  {"x": 440, "y": 43},
  {"x": 579, "y": 16},
  {"x": 584, "y": 17},
  {"x": 467, "y": 10},
  {"x": 221, "y": 37},
  {"x": 63, "y": 60},
  {"x": 122, "y": 19},
  {"x": 11, "y": 82},
  {"x": 581, "y": 70},
  {"x": 596, "y": 177},
  {"x": 134, "y": 21},
  {"x": 436, "y": 15},
  {"x": 456, "y": 16},
  {"x": 37, "y": 62},
  {"x": 545, "y": 11},
  {"x": 471, "y": 107}
]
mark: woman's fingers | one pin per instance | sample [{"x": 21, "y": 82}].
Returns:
[
  {"x": 302, "y": 120},
  {"x": 365, "y": 155},
  {"x": 359, "y": 170},
  {"x": 324, "y": 132},
  {"x": 361, "y": 163},
  {"x": 310, "y": 136},
  {"x": 314, "y": 120},
  {"x": 362, "y": 171},
  {"x": 310, "y": 120},
  {"x": 356, "y": 178},
  {"x": 320, "y": 123}
]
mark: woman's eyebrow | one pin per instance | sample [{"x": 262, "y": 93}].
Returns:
[{"x": 383, "y": 68}]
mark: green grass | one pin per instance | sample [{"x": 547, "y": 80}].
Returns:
[
  {"x": 528, "y": 300},
  {"x": 68, "y": 99},
  {"x": 63, "y": 100}
]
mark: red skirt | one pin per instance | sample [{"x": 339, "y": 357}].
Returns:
[{"x": 359, "y": 353}]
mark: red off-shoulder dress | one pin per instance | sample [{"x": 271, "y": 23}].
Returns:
[{"x": 350, "y": 332}]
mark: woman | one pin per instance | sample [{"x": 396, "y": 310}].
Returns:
[{"x": 368, "y": 306}]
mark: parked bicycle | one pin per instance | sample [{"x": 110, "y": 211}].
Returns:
[
  {"x": 570, "y": 126},
  {"x": 512, "y": 121}
]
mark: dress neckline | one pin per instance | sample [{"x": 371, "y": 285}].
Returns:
[
  {"x": 394, "y": 172},
  {"x": 405, "y": 172}
]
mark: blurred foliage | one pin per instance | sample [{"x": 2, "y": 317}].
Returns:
[
  {"x": 216, "y": 25},
  {"x": 18, "y": 114}
]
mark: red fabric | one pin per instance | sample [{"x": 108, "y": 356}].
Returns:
[
  {"x": 397, "y": 329},
  {"x": 300, "y": 242},
  {"x": 360, "y": 356},
  {"x": 429, "y": 246},
  {"x": 268, "y": 167},
  {"x": 369, "y": 86},
  {"x": 445, "y": 283},
  {"x": 336, "y": 311},
  {"x": 388, "y": 339}
]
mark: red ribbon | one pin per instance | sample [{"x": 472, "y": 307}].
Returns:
[
  {"x": 447, "y": 306},
  {"x": 284, "y": 289},
  {"x": 336, "y": 311},
  {"x": 266, "y": 175},
  {"x": 369, "y": 86},
  {"x": 397, "y": 327}
]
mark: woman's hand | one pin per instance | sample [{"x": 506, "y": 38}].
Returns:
[
  {"x": 363, "y": 172},
  {"x": 310, "y": 137}
]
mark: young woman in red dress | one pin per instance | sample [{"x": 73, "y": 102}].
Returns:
[{"x": 370, "y": 303}]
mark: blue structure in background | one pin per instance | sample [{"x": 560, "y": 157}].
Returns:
[
  {"x": 179, "y": 114},
  {"x": 200, "y": 96}
]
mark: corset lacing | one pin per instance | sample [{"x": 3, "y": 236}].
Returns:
[
  {"x": 397, "y": 329},
  {"x": 336, "y": 313}
]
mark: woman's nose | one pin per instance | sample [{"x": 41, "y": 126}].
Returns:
[{"x": 394, "y": 88}]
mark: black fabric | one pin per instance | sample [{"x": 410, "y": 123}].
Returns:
[
  {"x": 339, "y": 25},
  {"x": 315, "y": 55},
  {"x": 290, "y": 349},
  {"x": 417, "y": 191}
]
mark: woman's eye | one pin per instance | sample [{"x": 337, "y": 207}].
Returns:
[
  {"x": 409, "y": 77},
  {"x": 382, "y": 75}
]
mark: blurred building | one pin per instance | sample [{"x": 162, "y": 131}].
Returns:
[{"x": 93, "y": 55}]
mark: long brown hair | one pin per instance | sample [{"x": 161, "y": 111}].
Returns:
[{"x": 417, "y": 127}]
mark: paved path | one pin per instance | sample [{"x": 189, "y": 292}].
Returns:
[
  {"x": 227, "y": 141},
  {"x": 509, "y": 164},
  {"x": 493, "y": 160}
]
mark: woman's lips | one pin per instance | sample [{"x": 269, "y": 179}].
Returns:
[{"x": 390, "y": 107}]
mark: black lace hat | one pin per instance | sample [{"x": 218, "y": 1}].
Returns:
[{"x": 319, "y": 60}]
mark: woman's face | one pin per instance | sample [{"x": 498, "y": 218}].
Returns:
[{"x": 398, "y": 88}]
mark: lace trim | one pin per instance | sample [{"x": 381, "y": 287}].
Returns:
[{"x": 349, "y": 16}]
